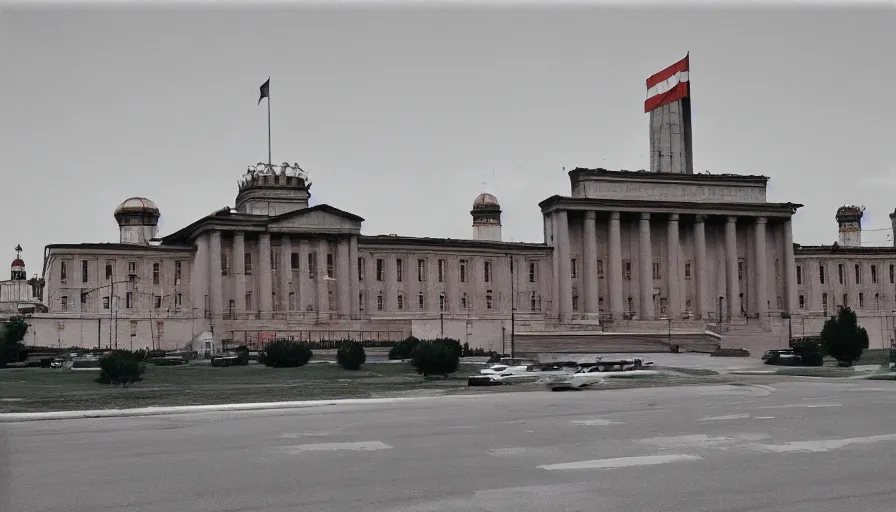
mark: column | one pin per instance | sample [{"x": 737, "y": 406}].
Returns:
[
  {"x": 215, "y": 288},
  {"x": 614, "y": 269},
  {"x": 432, "y": 283},
  {"x": 790, "y": 305},
  {"x": 589, "y": 263},
  {"x": 199, "y": 279},
  {"x": 733, "y": 298},
  {"x": 701, "y": 273},
  {"x": 323, "y": 288},
  {"x": 674, "y": 268},
  {"x": 562, "y": 237},
  {"x": 285, "y": 274},
  {"x": 555, "y": 267},
  {"x": 239, "y": 271},
  {"x": 304, "y": 287},
  {"x": 759, "y": 270},
  {"x": 343, "y": 279},
  {"x": 265, "y": 278},
  {"x": 452, "y": 291},
  {"x": 645, "y": 277},
  {"x": 354, "y": 281}
]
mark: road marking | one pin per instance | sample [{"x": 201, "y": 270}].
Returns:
[
  {"x": 701, "y": 441},
  {"x": 729, "y": 417},
  {"x": 823, "y": 445},
  {"x": 765, "y": 417},
  {"x": 596, "y": 422},
  {"x": 808, "y": 406},
  {"x": 363, "y": 446},
  {"x": 621, "y": 462}
]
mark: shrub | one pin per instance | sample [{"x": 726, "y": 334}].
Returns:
[
  {"x": 285, "y": 354},
  {"x": 809, "y": 352},
  {"x": 403, "y": 349},
  {"x": 842, "y": 337},
  {"x": 351, "y": 355},
  {"x": 436, "y": 357},
  {"x": 11, "y": 334},
  {"x": 120, "y": 367}
]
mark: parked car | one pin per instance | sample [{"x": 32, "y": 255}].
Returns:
[{"x": 789, "y": 357}]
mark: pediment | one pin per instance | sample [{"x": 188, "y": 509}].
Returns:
[{"x": 317, "y": 219}]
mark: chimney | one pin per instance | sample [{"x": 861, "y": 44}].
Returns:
[{"x": 849, "y": 219}]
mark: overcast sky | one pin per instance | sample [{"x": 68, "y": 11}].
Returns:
[{"x": 400, "y": 114}]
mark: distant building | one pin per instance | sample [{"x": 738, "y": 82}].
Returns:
[{"x": 20, "y": 295}]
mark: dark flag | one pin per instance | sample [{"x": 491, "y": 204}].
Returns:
[{"x": 264, "y": 90}]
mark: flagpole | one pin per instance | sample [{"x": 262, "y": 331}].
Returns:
[{"x": 270, "y": 164}]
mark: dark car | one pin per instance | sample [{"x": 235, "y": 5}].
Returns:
[{"x": 789, "y": 357}]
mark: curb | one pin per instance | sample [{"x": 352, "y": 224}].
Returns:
[{"x": 15, "y": 417}]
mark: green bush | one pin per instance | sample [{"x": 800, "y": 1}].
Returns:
[
  {"x": 12, "y": 332},
  {"x": 842, "y": 337},
  {"x": 120, "y": 367},
  {"x": 351, "y": 355},
  {"x": 436, "y": 357},
  {"x": 285, "y": 354},
  {"x": 403, "y": 349},
  {"x": 809, "y": 351}
]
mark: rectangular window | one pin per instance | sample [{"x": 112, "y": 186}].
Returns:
[
  {"x": 132, "y": 268},
  {"x": 109, "y": 265},
  {"x": 463, "y": 301},
  {"x": 799, "y": 274},
  {"x": 656, "y": 270},
  {"x": 312, "y": 264},
  {"x": 858, "y": 269},
  {"x": 876, "y": 301},
  {"x": 687, "y": 306},
  {"x": 421, "y": 270},
  {"x": 600, "y": 269},
  {"x": 802, "y": 302},
  {"x": 463, "y": 271},
  {"x": 824, "y": 303},
  {"x": 627, "y": 269},
  {"x": 575, "y": 302},
  {"x": 487, "y": 271},
  {"x": 892, "y": 274},
  {"x": 178, "y": 300},
  {"x": 157, "y": 302},
  {"x": 420, "y": 302},
  {"x": 275, "y": 261},
  {"x": 777, "y": 269},
  {"x": 177, "y": 272},
  {"x": 133, "y": 328},
  {"x": 361, "y": 269},
  {"x": 845, "y": 302},
  {"x": 294, "y": 261},
  {"x": 821, "y": 274},
  {"x": 441, "y": 302},
  {"x": 840, "y": 272},
  {"x": 399, "y": 302},
  {"x": 83, "y": 298},
  {"x": 664, "y": 306},
  {"x": 129, "y": 300},
  {"x": 330, "y": 265},
  {"x": 84, "y": 275},
  {"x": 247, "y": 264},
  {"x": 399, "y": 270},
  {"x": 861, "y": 300},
  {"x": 533, "y": 275},
  {"x": 572, "y": 268},
  {"x": 488, "y": 299},
  {"x": 291, "y": 301},
  {"x": 380, "y": 270},
  {"x": 687, "y": 269},
  {"x": 873, "y": 274},
  {"x": 740, "y": 268},
  {"x": 63, "y": 303},
  {"x": 442, "y": 265},
  {"x": 533, "y": 302},
  {"x": 249, "y": 300},
  {"x": 379, "y": 301},
  {"x": 105, "y": 302},
  {"x": 63, "y": 271},
  {"x": 156, "y": 270},
  {"x": 361, "y": 301}
]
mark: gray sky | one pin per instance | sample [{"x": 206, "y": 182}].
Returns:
[{"x": 400, "y": 114}]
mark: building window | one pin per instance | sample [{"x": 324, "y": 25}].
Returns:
[
  {"x": 858, "y": 269},
  {"x": 294, "y": 261},
  {"x": 177, "y": 272},
  {"x": 740, "y": 269},
  {"x": 157, "y": 302},
  {"x": 156, "y": 270},
  {"x": 132, "y": 268},
  {"x": 463, "y": 301},
  {"x": 312, "y": 264},
  {"x": 399, "y": 301},
  {"x": 129, "y": 300},
  {"x": 575, "y": 302},
  {"x": 361, "y": 269},
  {"x": 845, "y": 302},
  {"x": 687, "y": 306},
  {"x": 380, "y": 271},
  {"x": 664, "y": 306},
  {"x": 600, "y": 305},
  {"x": 874, "y": 274},
  {"x": 331, "y": 301},
  {"x": 487, "y": 271},
  {"x": 275, "y": 261},
  {"x": 108, "y": 270},
  {"x": 777, "y": 269},
  {"x": 840, "y": 272},
  {"x": 631, "y": 305},
  {"x": 83, "y": 298},
  {"x": 361, "y": 301},
  {"x": 533, "y": 301},
  {"x": 824, "y": 303},
  {"x": 379, "y": 301},
  {"x": 876, "y": 301},
  {"x": 441, "y": 271},
  {"x": 421, "y": 270},
  {"x": 330, "y": 265},
  {"x": 572, "y": 268},
  {"x": 802, "y": 302},
  {"x": 533, "y": 274},
  {"x": 656, "y": 270},
  {"x": 247, "y": 264},
  {"x": 63, "y": 303},
  {"x": 441, "y": 302},
  {"x": 821, "y": 274},
  {"x": 627, "y": 269},
  {"x": 106, "y": 302},
  {"x": 799, "y": 274},
  {"x": 420, "y": 302},
  {"x": 84, "y": 275},
  {"x": 133, "y": 328},
  {"x": 687, "y": 269},
  {"x": 463, "y": 271},
  {"x": 399, "y": 270},
  {"x": 892, "y": 274},
  {"x": 63, "y": 271},
  {"x": 178, "y": 300},
  {"x": 488, "y": 299},
  {"x": 861, "y": 300},
  {"x": 249, "y": 301}
]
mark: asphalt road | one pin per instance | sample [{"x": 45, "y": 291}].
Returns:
[{"x": 799, "y": 446}]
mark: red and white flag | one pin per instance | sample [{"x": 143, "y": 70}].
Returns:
[{"x": 670, "y": 84}]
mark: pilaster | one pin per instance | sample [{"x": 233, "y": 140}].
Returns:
[
  {"x": 673, "y": 271},
  {"x": 614, "y": 269},
  {"x": 589, "y": 262},
  {"x": 733, "y": 295},
  {"x": 645, "y": 274},
  {"x": 265, "y": 277}
]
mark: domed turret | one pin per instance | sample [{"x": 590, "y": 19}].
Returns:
[
  {"x": 849, "y": 220},
  {"x": 138, "y": 220},
  {"x": 17, "y": 269},
  {"x": 486, "y": 214},
  {"x": 273, "y": 190}
]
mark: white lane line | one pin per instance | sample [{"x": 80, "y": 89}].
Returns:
[
  {"x": 363, "y": 446},
  {"x": 621, "y": 462},
  {"x": 724, "y": 418},
  {"x": 823, "y": 445},
  {"x": 597, "y": 422},
  {"x": 807, "y": 406},
  {"x": 765, "y": 417}
]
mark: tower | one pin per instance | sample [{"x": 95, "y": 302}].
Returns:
[
  {"x": 893, "y": 225},
  {"x": 849, "y": 219},
  {"x": 266, "y": 190},
  {"x": 486, "y": 214},
  {"x": 17, "y": 269},
  {"x": 669, "y": 104},
  {"x": 138, "y": 220}
]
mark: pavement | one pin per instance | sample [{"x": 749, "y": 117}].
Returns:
[{"x": 793, "y": 445}]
